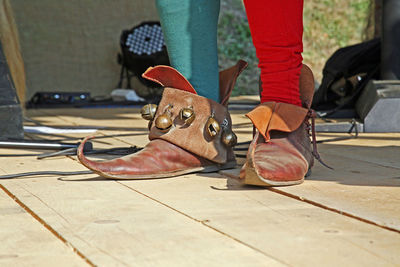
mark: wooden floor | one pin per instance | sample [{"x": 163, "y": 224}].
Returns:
[{"x": 346, "y": 217}]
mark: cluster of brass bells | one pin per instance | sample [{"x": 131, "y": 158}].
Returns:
[
  {"x": 164, "y": 122},
  {"x": 213, "y": 127}
]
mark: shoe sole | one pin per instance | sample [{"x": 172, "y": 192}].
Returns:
[
  {"x": 204, "y": 169},
  {"x": 252, "y": 178}
]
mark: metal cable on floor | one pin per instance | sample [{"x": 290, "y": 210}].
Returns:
[{"x": 24, "y": 174}]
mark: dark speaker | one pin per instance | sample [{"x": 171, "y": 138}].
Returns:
[
  {"x": 379, "y": 106},
  {"x": 10, "y": 109}
]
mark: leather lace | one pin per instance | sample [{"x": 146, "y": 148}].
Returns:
[{"x": 312, "y": 115}]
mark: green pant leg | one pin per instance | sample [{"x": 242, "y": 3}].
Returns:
[{"x": 190, "y": 33}]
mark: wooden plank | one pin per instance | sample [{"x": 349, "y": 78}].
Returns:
[
  {"x": 126, "y": 125},
  {"x": 295, "y": 232},
  {"x": 369, "y": 183},
  {"x": 25, "y": 242},
  {"x": 363, "y": 187},
  {"x": 363, "y": 139},
  {"x": 113, "y": 225},
  {"x": 89, "y": 212},
  {"x": 365, "y": 180},
  {"x": 125, "y": 119},
  {"x": 382, "y": 149},
  {"x": 313, "y": 232},
  {"x": 245, "y": 98}
]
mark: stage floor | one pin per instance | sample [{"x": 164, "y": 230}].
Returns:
[{"x": 349, "y": 216}]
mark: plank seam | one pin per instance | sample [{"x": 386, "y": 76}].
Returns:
[
  {"x": 362, "y": 160},
  {"x": 319, "y": 205},
  {"x": 44, "y": 203},
  {"x": 47, "y": 226},
  {"x": 204, "y": 222}
]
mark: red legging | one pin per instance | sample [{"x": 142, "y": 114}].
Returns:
[{"x": 276, "y": 27}]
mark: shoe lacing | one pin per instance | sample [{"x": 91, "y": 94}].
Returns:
[{"x": 311, "y": 127}]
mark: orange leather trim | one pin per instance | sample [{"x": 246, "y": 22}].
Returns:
[
  {"x": 261, "y": 116},
  {"x": 271, "y": 116},
  {"x": 167, "y": 76}
]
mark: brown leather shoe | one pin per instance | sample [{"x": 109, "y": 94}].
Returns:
[
  {"x": 281, "y": 153},
  {"x": 190, "y": 133}
]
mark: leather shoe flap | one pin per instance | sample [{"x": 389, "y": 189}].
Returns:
[
  {"x": 167, "y": 76},
  {"x": 272, "y": 116},
  {"x": 306, "y": 86},
  {"x": 227, "y": 80}
]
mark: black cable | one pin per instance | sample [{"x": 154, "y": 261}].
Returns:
[
  {"x": 236, "y": 148},
  {"x": 112, "y": 151},
  {"x": 240, "y": 148},
  {"x": 243, "y": 143},
  {"x": 341, "y": 138},
  {"x": 17, "y": 175},
  {"x": 33, "y": 121},
  {"x": 118, "y": 151},
  {"x": 57, "y": 153},
  {"x": 19, "y": 155},
  {"x": 98, "y": 137}
]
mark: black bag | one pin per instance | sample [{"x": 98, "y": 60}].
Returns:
[{"x": 345, "y": 74}]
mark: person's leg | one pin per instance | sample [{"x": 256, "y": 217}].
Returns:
[
  {"x": 190, "y": 32},
  {"x": 281, "y": 152},
  {"x": 277, "y": 28}
]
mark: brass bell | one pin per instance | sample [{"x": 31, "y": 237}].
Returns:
[
  {"x": 163, "y": 122},
  {"x": 229, "y": 138},
  {"x": 148, "y": 111},
  {"x": 187, "y": 115},
  {"x": 212, "y": 126}
]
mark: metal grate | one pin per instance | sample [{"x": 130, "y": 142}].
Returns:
[{"x": 145, "y": 40}]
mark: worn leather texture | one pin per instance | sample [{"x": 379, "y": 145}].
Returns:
[
  {"x": 307, "y": 86},
  {"x": 184, "y": 148},
  {"x": 286, "y": 157},
  {"x": 280, "y": 153},
  {"x": 193, "y": 138},
  {"x": 159, "y": 158},
  {"x": 272, "y": 116},
  {"x": 227, "y": 80}
]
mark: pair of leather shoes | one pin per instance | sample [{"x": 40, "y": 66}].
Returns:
[{"x": 190, "y": 133}]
